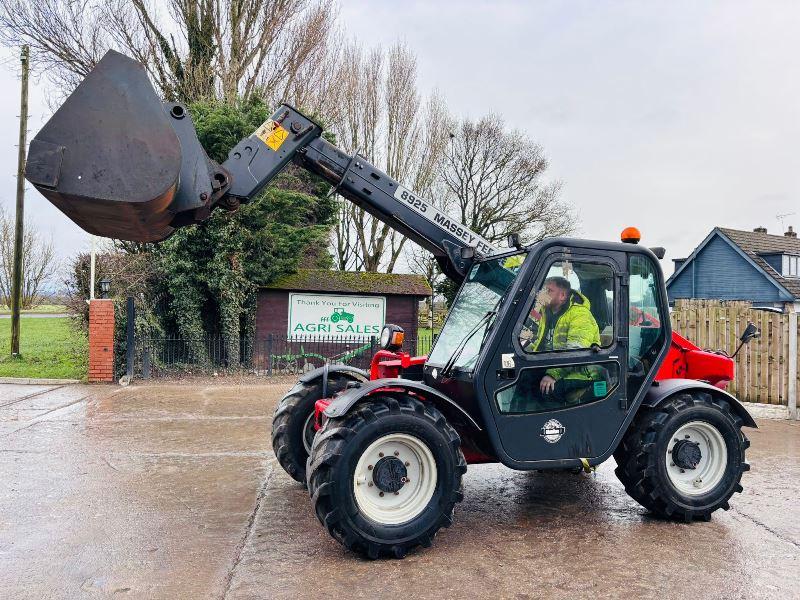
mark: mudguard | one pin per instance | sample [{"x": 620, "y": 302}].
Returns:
[
  {"x": 348, "y": 398},
  {"x": 357, "y": 373},
  {"x": 667, "y": 387},
  {"x": 326, "y": 371}
]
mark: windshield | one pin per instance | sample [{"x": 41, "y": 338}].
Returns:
[{"x": 480, "y": 295}]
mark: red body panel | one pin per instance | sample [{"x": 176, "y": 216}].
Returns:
[
  {"x": 387, "y": 364},
  {"x": 687, "y": 361},
  {"x": 319, "y": 408}
]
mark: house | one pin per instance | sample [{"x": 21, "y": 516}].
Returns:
[{"x": 730, "y": 264}]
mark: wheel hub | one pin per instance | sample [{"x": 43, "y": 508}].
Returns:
[
  {"x": 389, "y": 474},
  {"x": 395, "y": 479},
  {"x": 696, "y": 458},
  {"x": 686, "y": 454}
]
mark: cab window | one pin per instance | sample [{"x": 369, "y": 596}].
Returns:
[
  {"x": 544, "y": 389},
  {"x": 572, "y": 308},
  {"x": 646, "y": 329}
]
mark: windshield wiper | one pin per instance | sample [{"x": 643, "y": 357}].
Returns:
[{"x": 460, "y": 348}]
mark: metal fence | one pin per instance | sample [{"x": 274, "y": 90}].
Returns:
[{"x": 271, "y": 355}]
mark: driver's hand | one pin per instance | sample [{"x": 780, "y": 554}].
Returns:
[{"x": 547, "y": 385}]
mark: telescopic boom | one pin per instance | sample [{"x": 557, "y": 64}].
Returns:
[{"x": 122, "y": 164}]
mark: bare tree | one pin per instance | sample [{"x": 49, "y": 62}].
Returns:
[
  {"x": 422, "y": 262},
  {"x": 131, "y": 273},
  {"x": 383, "y": 118},
  {"x": 38, "y": 262},
  {"x": 192, "y": 49},
  {"x": 494, "y": 180}
]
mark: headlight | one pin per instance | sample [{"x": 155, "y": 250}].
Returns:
[
  {"x": 386, "y": 334},
  {"x": 392, "y": 337}
]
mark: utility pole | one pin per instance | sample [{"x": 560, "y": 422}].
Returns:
[{"x": 16, "y": 277}]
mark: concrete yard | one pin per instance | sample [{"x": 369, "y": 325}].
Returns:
[{"x": 172, "y": 491}]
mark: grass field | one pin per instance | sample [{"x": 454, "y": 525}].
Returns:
[
  {"x": 424, "y": 339},
  {"x": 42, "y": 308},
  {"x": 50, "y": 348}
]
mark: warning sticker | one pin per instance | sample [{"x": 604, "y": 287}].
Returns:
[{"x": 272, "y": 134}]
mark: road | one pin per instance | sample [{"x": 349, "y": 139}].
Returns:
[{"x": 172, "y": 491}]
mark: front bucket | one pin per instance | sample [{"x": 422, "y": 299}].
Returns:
[{"x": 109, "y": 158}]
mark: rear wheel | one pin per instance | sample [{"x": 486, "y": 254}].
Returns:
[
  {"x": 293, "y": 424},
  {"x": 685, "y": 458},
  {"x": 385, "y": 478}
]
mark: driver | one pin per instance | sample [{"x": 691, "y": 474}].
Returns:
[{"x": 565, "y": 322}]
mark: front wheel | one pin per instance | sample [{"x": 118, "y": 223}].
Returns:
[
  {"x": 385, "y": 478},
  {"x": 684, "y": 459},
  {"x": 293, "y": 426}
]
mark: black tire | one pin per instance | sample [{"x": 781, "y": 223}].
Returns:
[
  {"x": 290, "y": 423},
  {"x": 335, "y": 455},
  {"x": 642, "y": 463}
]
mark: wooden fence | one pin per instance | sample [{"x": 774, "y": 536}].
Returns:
[{"x": 762, "y": 366}]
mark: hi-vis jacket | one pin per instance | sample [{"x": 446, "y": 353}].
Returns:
[{"x": 575, "y": 328}]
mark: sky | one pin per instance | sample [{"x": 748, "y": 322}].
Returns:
[{"x": 672, "y": 117}]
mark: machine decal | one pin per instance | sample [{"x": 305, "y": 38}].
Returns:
[
  {"x": 272, "y": 134},
  {"x": 430, "y": 212},
  {"x": 552, "y": 431}
]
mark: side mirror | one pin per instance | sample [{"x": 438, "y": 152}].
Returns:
[
  {"x": 513, "y": 240},
  {"x": 659, "y": 252},
  {"x": 750, "y": 332}
]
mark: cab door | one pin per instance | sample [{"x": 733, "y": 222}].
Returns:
[{"x": 557, "y": 388}]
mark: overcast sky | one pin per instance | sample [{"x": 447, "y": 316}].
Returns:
[{"x": 674, "y": 117}]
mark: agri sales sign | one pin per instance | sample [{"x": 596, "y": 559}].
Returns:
[{"x": 331, "y": 316}]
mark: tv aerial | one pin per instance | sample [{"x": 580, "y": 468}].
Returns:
[{"x": 782, "y": 217}]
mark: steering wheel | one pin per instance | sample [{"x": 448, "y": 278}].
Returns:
[{"x": 528, "y": 334}]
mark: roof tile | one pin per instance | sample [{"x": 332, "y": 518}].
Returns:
[{"x": 756, "y": 244}]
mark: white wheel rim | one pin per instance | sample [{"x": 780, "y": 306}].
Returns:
[
  {"x": 395, "y": 508},
  {"x": 710, "y": 470},
  {"x": 308, "y": 423}
]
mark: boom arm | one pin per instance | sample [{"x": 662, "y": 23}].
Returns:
[
  {"x": 121, "y": 164},
  {"x": 290, "y": 136}
]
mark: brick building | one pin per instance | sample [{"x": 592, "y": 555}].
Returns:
[{"x": 318, "y": 302}]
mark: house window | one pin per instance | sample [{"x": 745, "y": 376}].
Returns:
[{"x": 791, "y": 266}]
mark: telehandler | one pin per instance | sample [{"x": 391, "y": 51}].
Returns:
[{"x": 383, "y": 452}]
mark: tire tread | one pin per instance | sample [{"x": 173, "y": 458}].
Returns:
[
  {"x": 637, "y": 457},
  {"x": 327, "y": 451}
]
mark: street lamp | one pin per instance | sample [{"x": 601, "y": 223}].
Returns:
[{"x": 105, "y": 287}]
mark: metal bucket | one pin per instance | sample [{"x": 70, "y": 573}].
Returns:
[{"x": 111, "y": 157}]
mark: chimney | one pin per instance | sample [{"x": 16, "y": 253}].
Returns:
[
  {"x": 760, "y": 230},
  {"x": 791, "y": 233}
]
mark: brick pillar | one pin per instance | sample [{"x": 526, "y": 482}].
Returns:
[{"x": 101, "y": 340}]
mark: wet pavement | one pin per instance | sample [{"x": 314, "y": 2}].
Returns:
[{"x": 172, "y": 491}]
